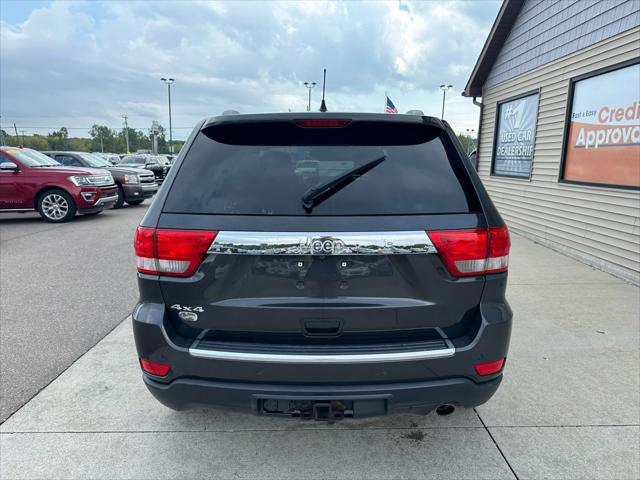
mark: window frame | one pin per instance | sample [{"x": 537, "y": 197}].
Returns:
[
  {"x": 567, "y": 124},
  {"x": 496, "y": 125}
]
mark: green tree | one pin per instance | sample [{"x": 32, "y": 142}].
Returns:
[
  {"x": 467, "y": 141},
  {"x": 59, "y": 140},
  {"x": 105, "y": 139},
  {"x": 37, "y": 142},
  {"x": 79, "y": 144}
]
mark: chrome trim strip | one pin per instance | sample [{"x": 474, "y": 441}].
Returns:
[
  {"x": 17, "y": 209},
  {"x": 355, "y": 358},
  {"x": 322, "y": 243},
  {"x": 103, "y": 200}
]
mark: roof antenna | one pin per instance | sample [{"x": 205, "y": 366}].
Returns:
[{"x": 323, "y": 106}]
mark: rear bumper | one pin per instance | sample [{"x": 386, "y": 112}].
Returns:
[
  {"x": 423, "y": 383},
  {"x": 368, "y": 400}
]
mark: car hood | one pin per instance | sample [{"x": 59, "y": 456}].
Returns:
[
  {"x": 77, "y": 170},
  {"x": 125, "y": 170},
  {"x": 140, "y": 170},
  {"x": 137, "y": 165}
]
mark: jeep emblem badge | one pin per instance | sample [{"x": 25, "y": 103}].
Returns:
[{"x": 326, "y": 246}]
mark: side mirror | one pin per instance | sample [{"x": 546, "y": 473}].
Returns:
[{"x": 9, "y": 166}]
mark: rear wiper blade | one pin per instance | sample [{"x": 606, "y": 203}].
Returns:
[{"x": 319, "y": 194}]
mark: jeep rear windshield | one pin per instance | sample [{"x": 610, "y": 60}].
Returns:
[{"x": 266, "y": 168}]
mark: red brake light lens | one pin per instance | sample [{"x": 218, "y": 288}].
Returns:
[
  {"x": 473, "y": 252},
  {"x": 176, "y": 253},
  {"x": 499, "y": 246},
  {"x": 329, "y": 122},
  {"x": 154, "y": 368},
  {"x": 489, "y": 368}
]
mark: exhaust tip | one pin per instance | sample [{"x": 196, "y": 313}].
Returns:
[{"x": 445, "y": 410}]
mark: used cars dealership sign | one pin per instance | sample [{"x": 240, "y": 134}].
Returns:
[{"x": 514, "y": 142}]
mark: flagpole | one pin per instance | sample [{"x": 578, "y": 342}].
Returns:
[{"x": 384, "y": 110}]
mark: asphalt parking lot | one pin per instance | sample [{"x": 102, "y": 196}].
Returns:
[
  {"x": 569, "y": 406},
  {"x": 64, "y": 287}
]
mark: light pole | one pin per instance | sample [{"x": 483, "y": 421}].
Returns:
[
  {"x": 309, "y": 87},
  {"x": 444, "y": 89},
  {"x": 169, "y": 81},
  {"x": 126, "y": 131},
  {"x": 470, "y": 142}
]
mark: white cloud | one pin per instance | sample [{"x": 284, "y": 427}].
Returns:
[{"x": 76, "y": 64}]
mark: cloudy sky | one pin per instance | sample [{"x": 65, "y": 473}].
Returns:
[{"x": 78, "y": 63}]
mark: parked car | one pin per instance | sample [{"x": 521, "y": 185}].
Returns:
[
  {"x": 376, "y": 288},
  {"x": 30, "y": 180},
  {"x": 134, "y": 184},
  {"x": 112, "y": 158},
  {"x": 147, "y": 162}
]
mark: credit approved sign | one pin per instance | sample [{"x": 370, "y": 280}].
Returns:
[{"x": 603, "y": 141}]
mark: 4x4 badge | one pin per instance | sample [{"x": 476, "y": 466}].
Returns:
[{"x": 184, "y": 308}]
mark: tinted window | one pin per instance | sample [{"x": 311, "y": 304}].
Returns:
[
  {"x": 94, "y": 160},
  {"x": 68, "y": 161},
  {"x": 224, "y": 178}
]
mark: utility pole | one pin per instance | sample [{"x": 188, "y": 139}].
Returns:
[
  {"x": 22, "y": 137},
  {"x": 169, "y": 81},
  {"x": 126, "y": 131},
  {"x": 17, "y": 136},
  {"x": 309, "y": 87},
  {"x": 444, "y": 89},
  {"x": 101, "y": 144},
  {"x": 1, "y": 133}
]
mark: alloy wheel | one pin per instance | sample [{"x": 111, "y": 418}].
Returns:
[{"x": 55, "y": 206}]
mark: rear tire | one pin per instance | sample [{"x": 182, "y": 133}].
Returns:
[
  {"x": 56, "y": 206},
  {"x": 120, "y": 202},
  {"x": 133, "y": 203}
]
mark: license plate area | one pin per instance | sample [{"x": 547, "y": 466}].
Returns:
[{"x": 322, "y": 409}]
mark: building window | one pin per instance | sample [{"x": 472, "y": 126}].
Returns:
[
  {"x": 602, "y": 137},
  {"x": 515, "y": 136}
]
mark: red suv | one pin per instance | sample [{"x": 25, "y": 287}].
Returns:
[{"x": 29, "y": 180}]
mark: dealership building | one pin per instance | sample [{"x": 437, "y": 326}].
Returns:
[{"x": 558, "y": 87}]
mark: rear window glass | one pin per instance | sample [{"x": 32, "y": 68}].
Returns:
[{"x": 220, "y": 176}]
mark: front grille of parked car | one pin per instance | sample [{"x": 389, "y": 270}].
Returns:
[{"x": 148, "y": 179}]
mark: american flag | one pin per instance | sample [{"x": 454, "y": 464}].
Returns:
[{"x": 390, "y": 108}]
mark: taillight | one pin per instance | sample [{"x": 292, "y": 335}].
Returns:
[
  {"x": 473, "y": 252},
  {"x": 325, "y": 122},
  {"x": 154, "y": 368},
  {"x": 499, "y": 245},
  {"x": 176, "y": 253},
  {"x": 488, "y": 368}
]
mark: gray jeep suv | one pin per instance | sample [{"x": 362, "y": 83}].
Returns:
[{"x": 322, "y": 266}]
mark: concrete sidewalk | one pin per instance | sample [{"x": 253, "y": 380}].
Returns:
[{"x": 569, "y": 407}]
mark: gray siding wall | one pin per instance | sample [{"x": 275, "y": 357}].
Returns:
[
  {"x": 546, "y": 30},
  {"x": 598, "y": 225}
]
